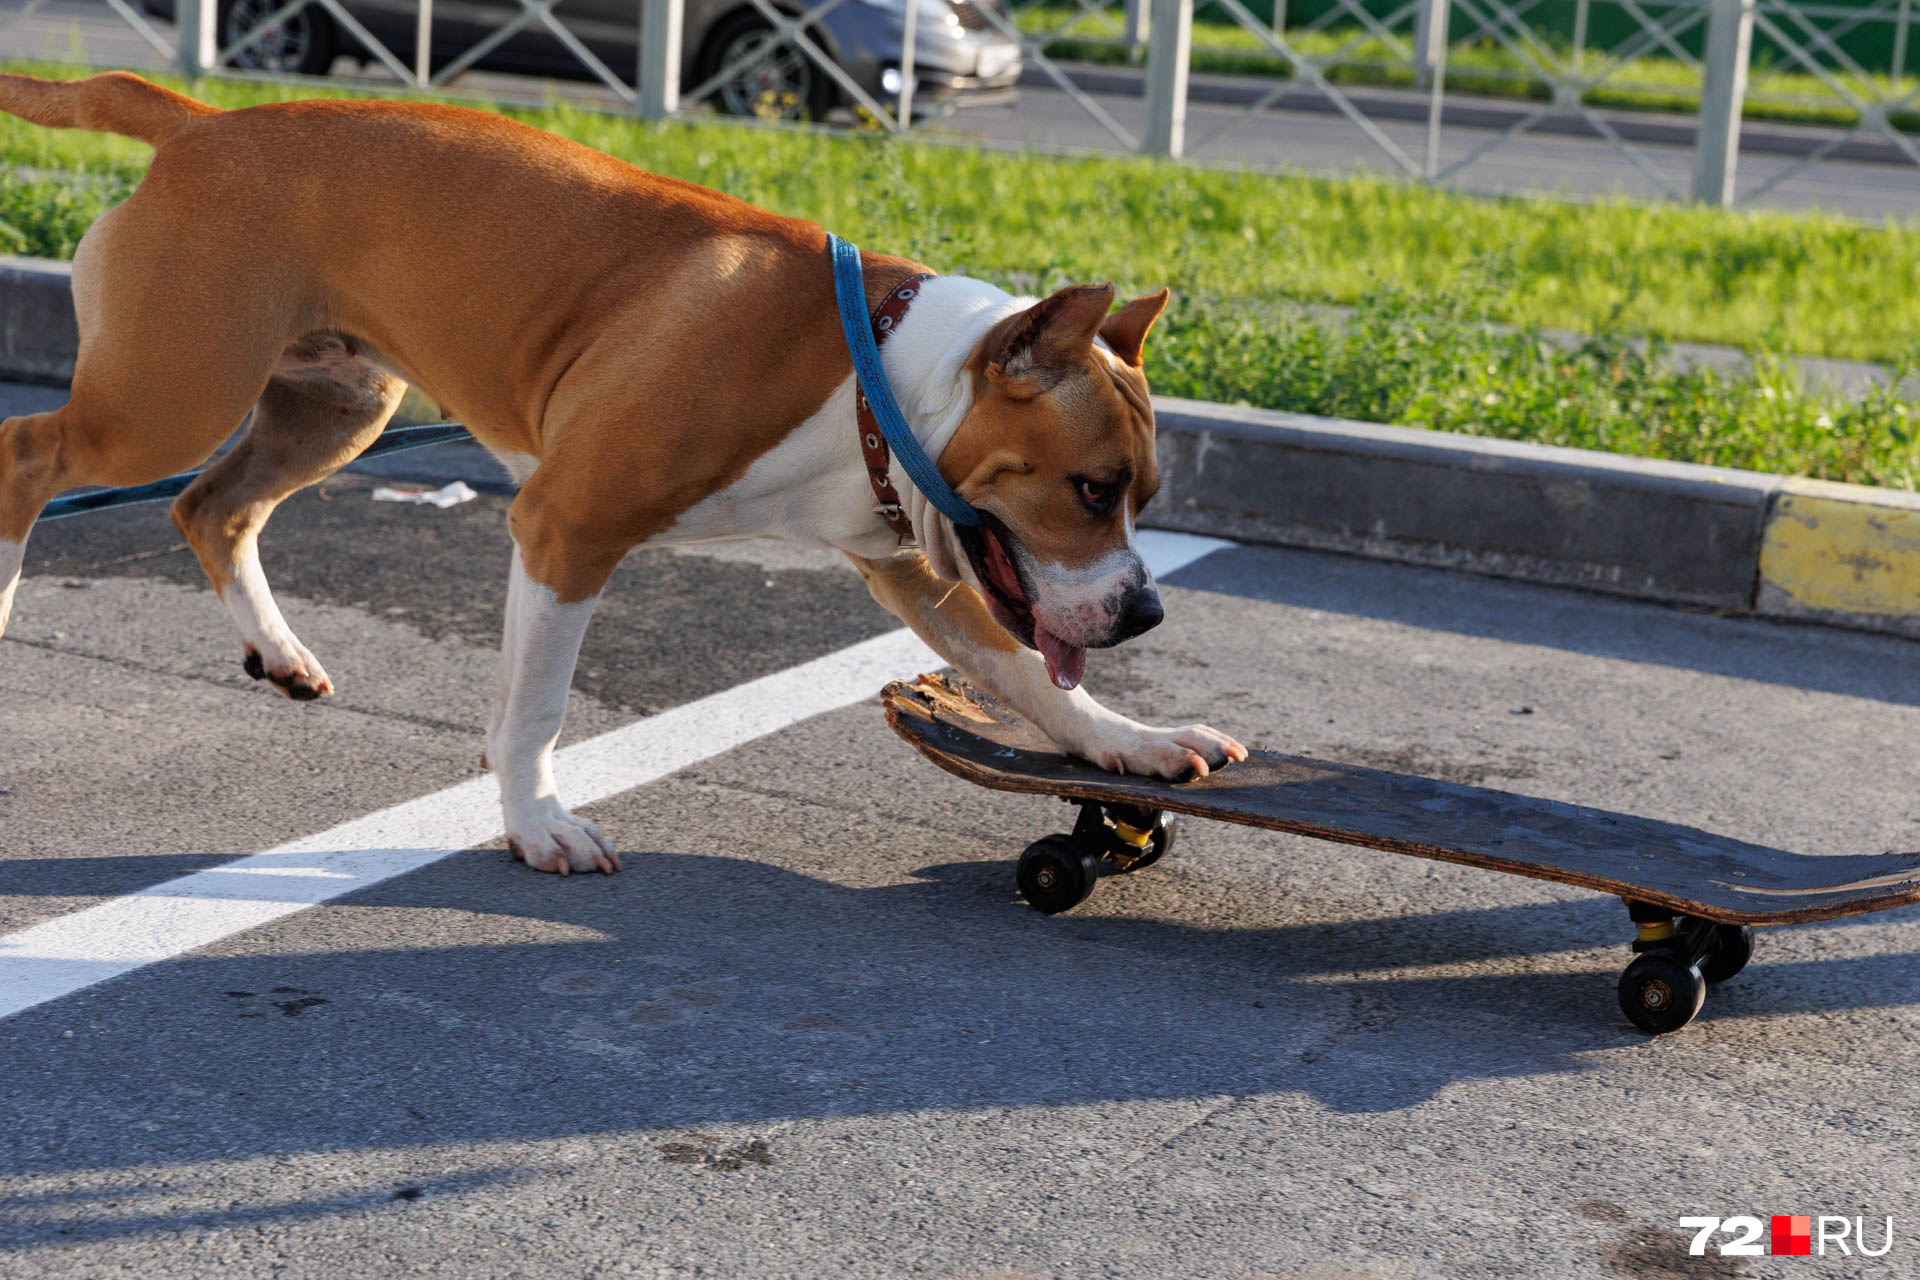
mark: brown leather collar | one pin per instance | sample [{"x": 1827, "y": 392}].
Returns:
[{"x": 873, "y": 442}]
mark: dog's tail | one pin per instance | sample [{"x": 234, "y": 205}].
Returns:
[{"x": 116, "y": 102}]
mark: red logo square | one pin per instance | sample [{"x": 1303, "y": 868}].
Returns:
[{"x": 1792, "y": 1236}]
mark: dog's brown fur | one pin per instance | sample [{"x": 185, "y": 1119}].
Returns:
[
  {"x": 538, "y": 289},
  {"x": 637, "y": 341}
]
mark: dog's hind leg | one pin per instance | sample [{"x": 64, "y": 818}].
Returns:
[
  {"x": 93, "y": 439},
  {"x": 30, "y": 475},
  {"x": 168, "y": 366},
  {"x": 327, "y": 401},
  {"x": 32, "y": 471},
  {"x": 13, "y": 554}
]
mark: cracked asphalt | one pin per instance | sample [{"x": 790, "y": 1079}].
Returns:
[{"x": 811, "y": 1031}]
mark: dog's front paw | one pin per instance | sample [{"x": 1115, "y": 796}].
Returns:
[
  {"x": 548, "y": 838},
  {"x": 1193, "y": 751}
]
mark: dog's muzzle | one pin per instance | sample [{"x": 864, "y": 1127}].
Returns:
[{"x": 1141, "y": 612}]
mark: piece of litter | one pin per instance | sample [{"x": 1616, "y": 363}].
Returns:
[{"x": 451, "y": 495}]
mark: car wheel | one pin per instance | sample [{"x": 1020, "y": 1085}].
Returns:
[
  {"x": 304, "y": 43},
  {"x": 779, "y": 82}
]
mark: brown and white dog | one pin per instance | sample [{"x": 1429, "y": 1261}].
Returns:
[{"x": 651, "y": 360}]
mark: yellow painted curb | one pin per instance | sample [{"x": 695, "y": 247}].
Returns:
[{"x": 1835, "y": 548}]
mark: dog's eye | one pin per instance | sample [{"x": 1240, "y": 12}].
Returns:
[{"x": 1096, "y": 496}]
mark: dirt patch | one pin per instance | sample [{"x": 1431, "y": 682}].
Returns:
[
  {"x": 705, "y": 1151},
  {"x": 1653, "y": 1253}
]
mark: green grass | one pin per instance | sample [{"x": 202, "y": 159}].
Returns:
[
  {"x": 1449, "y": 289},
  {"x": 1428, "y": 360},
  {"x": 1651, "y": 83}
]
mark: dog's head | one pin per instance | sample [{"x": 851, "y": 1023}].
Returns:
[{"x": 1056, "y": 452}]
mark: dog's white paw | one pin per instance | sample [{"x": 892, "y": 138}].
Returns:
[
  {"x": 548, "y": 838},
  {"x": 290, "y": 666},
  {"x": 1193, "y": 750}
]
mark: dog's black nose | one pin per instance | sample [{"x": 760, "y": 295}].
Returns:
[{"x": 1142, "y": 613}]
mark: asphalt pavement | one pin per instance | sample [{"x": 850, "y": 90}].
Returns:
[{"x": 810, "y": 1030}]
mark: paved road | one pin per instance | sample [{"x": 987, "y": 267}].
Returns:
[
  {"x": 1532, "y": 163},
  {"x": 810, "y": 1030},
  {"x": 1310, "y": 141}
]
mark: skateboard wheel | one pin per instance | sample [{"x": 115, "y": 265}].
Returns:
[
  {"x": 1055, "y": 874},
  {"x": 1728, "y": 952},
  {"x": 1659, "y": 993}
]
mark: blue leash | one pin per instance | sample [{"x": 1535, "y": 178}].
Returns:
[
  {"x": 851, "y": 290},
  {"x": 393, "y": 441}
]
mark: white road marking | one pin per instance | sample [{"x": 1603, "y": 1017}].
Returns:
[
  {"x": 1166, "y": 552},
  {"x": 72, "y": 952}
]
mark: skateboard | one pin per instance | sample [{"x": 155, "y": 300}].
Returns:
[{"x": 1692, "y": 896}]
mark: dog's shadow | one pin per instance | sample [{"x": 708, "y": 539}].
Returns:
[
  {"x": 475, "y": 1004},
  {"x": 698, "y": 991}
]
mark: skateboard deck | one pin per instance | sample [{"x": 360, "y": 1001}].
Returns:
[{"x": 1690, "y": 871}]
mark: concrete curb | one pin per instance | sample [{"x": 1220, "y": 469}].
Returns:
[
  {"x": 1842, "y": 554},
  {"x": 1733, "y": 541},
  {"x": 38, "y": 336}
]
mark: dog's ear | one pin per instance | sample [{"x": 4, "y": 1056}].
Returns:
[
  {"x": 1027, "y": 353},
  {"x": 1126, "y": 330}
]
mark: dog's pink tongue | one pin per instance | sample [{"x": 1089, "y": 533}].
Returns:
[{"x": 1066, "y": 663}]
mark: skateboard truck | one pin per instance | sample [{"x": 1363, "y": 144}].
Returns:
[
  {"x": 1675, "y": 959},
  {"x": 1057, "y": 872},
  {"x": 1133, "y": 838}
]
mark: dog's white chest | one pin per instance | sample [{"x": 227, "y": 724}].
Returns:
[{"x": 812, "y": 486}]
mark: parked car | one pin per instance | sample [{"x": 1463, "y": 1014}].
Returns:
[{"x": 957, "y": 50}]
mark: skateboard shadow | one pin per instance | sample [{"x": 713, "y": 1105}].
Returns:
[
  {"x": 1820, "y": 659},
  {"x": 698, "y": 991}
]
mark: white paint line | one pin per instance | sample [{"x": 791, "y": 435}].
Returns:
[
  {"x": 1168, "y": 552},
  {"x": 56, "y": 957},
  {"x": 72, "y": 952}
]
